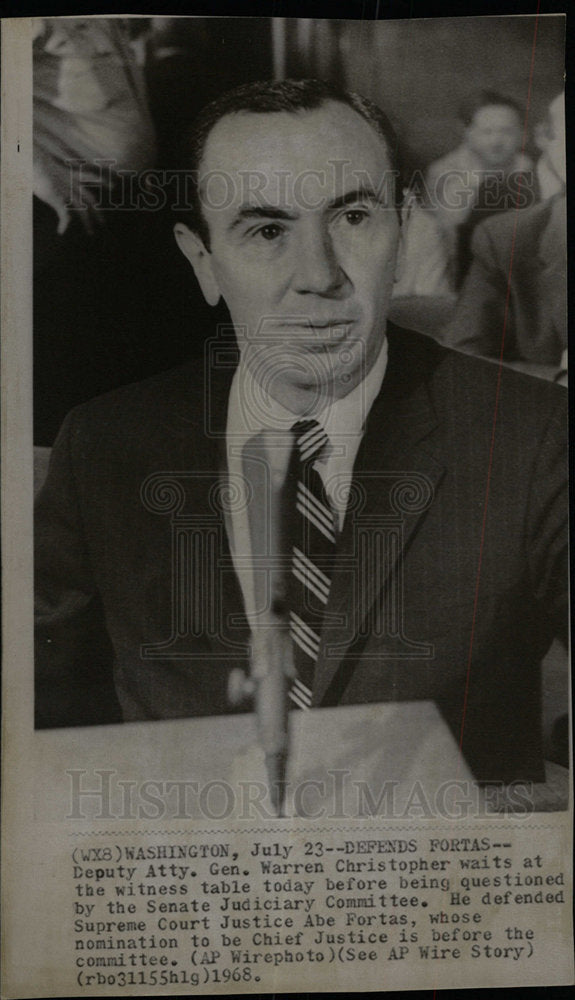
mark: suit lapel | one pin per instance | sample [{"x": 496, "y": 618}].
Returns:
[{"x": 397, "y": 470}]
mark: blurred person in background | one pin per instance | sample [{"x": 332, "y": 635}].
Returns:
[
  {"x": 115, "y": 96},
  {"x": 91, "y": 123},
  {"x": 513, "y": 304},
  {"x": 90, "y": 104},
  {"x": 479, "y": 177}
]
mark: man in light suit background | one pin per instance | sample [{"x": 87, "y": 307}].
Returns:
[{"x": 439, "y": 488}]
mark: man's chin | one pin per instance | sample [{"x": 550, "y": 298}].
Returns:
[
  {"x": 326, "y": 391},
  {"x": 306, "y": 397},
  {"x": 291, "y": 364}
]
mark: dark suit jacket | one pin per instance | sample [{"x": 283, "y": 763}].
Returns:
[
  {"x": 451, "y": 575},
  {"x": 518, "y": 280}
]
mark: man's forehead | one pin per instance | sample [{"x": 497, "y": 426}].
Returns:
[
  {"x": 276, "y": 156},
  {"x": 261, "y": 139}
]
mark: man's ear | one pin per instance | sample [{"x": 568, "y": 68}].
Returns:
[{"x": 193, "y": 248}]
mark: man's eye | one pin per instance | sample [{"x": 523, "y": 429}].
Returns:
[
  {"x": 355, "y": 216},
  {"x": 270, "y": 232}
]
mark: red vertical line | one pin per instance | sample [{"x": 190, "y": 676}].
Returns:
[
  {"x": 495, "y": 410},
  {"x": 496, "y": 405}
]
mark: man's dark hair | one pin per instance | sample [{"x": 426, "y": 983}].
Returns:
[
  {"x": 266, "y": 97},
  {"x": 487, "y": 99}
]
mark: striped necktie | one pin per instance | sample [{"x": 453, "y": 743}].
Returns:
[{"x": 312, "y": 544}]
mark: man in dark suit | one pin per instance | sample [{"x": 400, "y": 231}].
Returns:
[{"x": 436, "y": 487}]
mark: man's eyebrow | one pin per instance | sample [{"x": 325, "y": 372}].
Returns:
[
  {"x": 245, "y": 212},
  {"x": 362, "y": 193},
  {"x": 259, "y": 212}
]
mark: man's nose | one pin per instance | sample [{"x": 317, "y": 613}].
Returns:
[{"x": 316, "y": 266}]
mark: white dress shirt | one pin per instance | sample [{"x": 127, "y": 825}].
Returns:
[{"x": 266, "y": 425}]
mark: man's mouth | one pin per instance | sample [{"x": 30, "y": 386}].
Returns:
[
  {"x": 312, "y": 335},
  {"x": 335, "y": 329},
  {"x": 324, "y": 336}
]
